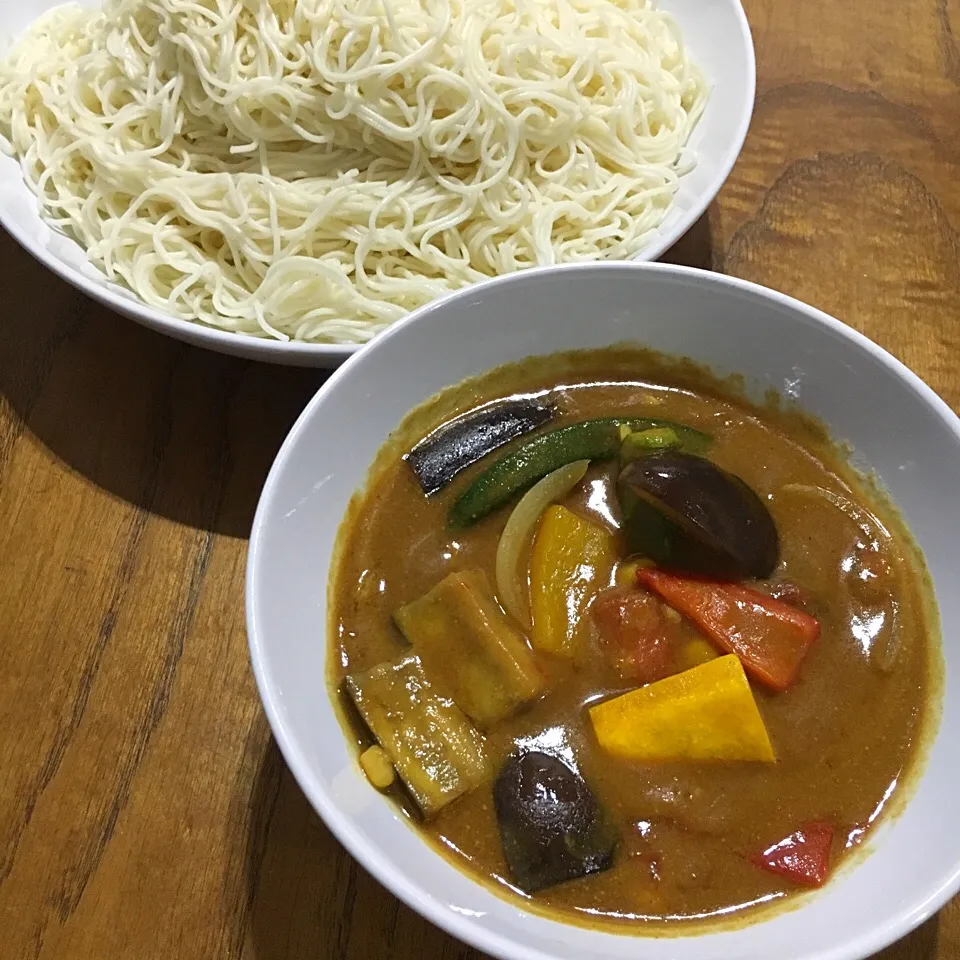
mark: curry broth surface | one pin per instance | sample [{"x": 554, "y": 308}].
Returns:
[{"x": 846, "y": 734}]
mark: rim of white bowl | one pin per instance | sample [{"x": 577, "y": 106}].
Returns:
[
  {"x": 328, "y": 354},
  {"x": 369, "y": 857}
]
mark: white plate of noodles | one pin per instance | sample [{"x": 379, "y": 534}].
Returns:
[{"x": 283, "y": 179}]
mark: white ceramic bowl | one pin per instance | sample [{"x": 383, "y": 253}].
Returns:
[
  {"x": 897, "y": 426},
  {"x": 716, "y": 32}
]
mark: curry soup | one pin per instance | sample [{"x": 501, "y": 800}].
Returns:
[{"x": 686, "y": 683}]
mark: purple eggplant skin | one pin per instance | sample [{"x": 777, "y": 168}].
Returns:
[
  {"x": 461, "y": 442},
  {"x": 686, "y": 513},
  {"x": 551, "y": 826}
]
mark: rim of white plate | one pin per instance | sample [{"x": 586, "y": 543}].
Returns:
[{"x": 330, "y": 354}]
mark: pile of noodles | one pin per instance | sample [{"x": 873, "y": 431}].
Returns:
[{"x": 313, "y": 169}]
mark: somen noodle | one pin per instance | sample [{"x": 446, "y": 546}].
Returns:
[{"x": 313, "y": 169}]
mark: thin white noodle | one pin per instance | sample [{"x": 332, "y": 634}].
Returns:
[{"x": 313, "y": 169}]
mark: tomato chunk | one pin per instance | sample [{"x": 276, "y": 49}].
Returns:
[
  {"x": 769, "y": 636},
  {"x": 638, "y": 639},
  {"x": 803, "y": 857}
]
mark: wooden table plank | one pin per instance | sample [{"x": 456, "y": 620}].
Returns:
[{"x": 144, "y": 809}]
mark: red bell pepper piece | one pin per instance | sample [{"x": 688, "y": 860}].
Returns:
[
  {"x": 636, "y": 637},
  {"x": 804, "y": 856},
  {"x": 770, "y": 637}
]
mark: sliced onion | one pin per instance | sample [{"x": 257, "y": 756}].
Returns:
[
  {"x": 519, "y": 530},
  {"x": 884, "y": 655},
  {"x": 887, "y": 656},
  {"x": 864, "y": 519}
]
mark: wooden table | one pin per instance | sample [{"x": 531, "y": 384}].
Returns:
[{"x": 144, "y": 809}]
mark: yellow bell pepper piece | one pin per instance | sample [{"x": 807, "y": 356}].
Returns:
[
  {"x": 571, "y": 561},
  {"x": 707, "y": 713}
]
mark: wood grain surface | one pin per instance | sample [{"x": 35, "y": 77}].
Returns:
[{"x": 144, "y": 809}]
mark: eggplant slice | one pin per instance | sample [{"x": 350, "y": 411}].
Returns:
[
  {"x": 687, "y": 514},
  {"x": 454, "y": 446},
  {"x": 551, "y": 826},
  {"x": 438, "y": 753},
  {"x": 470, "y": 651}
]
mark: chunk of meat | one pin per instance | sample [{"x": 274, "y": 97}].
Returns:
[
  {"x": 639, "y": 640},
  {"x": 687, "y": 804},
  {"x": 669, "y": 854}
]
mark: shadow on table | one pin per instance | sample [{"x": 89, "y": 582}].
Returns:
[
  {"x": 308, "y": 898},
  {"x": 176, "y": 430},
  {"x": 695, "y": 247}
]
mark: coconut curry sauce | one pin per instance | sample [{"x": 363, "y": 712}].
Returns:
[{"x": 699, "y": 675}]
